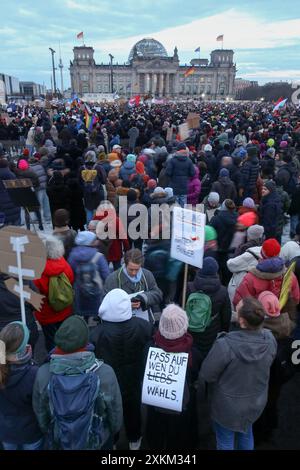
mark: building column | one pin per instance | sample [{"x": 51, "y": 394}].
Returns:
[
  {"x": 147, "y": 82},
  {"x": 167, "y": 82},
  {"x": 176, "y": 84},
  {"x": 161, "y": 84},
  {"x": 154, "y": 83}
]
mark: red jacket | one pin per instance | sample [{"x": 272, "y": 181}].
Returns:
[
  {"x": 256, "y": 282},
  {"x": 115, "y": 251},
  {"x": 53, "y": 267}
]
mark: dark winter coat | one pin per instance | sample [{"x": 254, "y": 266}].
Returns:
[
  {"x": 18, "y": 423},
  {"x": 225, "y": 188},
  {"x": 238, "y": 367},
  {"x": 179, "y": 169},
  {"x": 270, "y": 214},
  {"x": 7, "y": 207},
  {"x": 39, "y": 170},
  {"x": 250, "y": 172},
  {"x": 224, "y": 223},
  {"x": 59, "y": 197},
  {"x": 121, "y": 345},
  {"x": 76, "y": 207},
  {"x": 221, "y": 310}
]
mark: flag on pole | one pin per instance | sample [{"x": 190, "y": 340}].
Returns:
[
  {"x": 279, "y": 104},
  {"x": 135, "y": 101},
  {"x": 80, "y": 35},
  {"x": 220, "y": 38},
  {"x": 198, "y": 49},
  {"x": 189, "y": 71}
]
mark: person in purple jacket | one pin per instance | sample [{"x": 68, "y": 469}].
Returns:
[{"x": 194, "y": 188}]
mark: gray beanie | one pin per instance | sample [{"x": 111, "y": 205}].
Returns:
[
  {"x": 213, "y": 198},
  {"x": 255, "y": 232}
]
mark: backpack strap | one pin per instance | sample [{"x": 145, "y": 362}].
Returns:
[{"x": 253, "y": 254}]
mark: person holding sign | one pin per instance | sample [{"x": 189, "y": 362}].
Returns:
[{"x": 167, "y": 430}]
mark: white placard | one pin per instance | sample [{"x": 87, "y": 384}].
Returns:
[
  {"x": 188, "y": 236},
  {"x": 184, "y": 131},
  {"x": 164, "y": 379}
]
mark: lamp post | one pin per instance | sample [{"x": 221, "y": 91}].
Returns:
[
  {"x": 111, "y": 72},
  {"x": 53, "y": 69}
]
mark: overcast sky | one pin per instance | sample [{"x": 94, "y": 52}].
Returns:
[{"x": 264, "y": 34}]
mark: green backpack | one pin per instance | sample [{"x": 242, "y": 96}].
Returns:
[
  {"x": 61, "y": 293},
  {"x": 198, "y": 308}
]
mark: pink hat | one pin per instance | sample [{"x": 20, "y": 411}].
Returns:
[
  {"x": 283, "y": 144},
  {"x": 23, "y": 165},
  {"x": 151, "y": 184},
  {"x": 270, "y": 303}
]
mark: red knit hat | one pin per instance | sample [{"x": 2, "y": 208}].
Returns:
[
  {"x": 26, "y": 152},
  {"x": 270, "y": 248},
  {"x": 247, "y": 219}
]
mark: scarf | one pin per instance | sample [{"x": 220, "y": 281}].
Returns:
[
  {"x": 182, "y": 344},
  {"x": 136, "y": 278}
]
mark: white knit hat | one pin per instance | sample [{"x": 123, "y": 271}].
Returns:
[{"x": 173, "y": 322}]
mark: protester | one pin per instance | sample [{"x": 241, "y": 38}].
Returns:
[{"x": 62, "y": 230}]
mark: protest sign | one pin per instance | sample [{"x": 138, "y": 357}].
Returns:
[
  {"x": 193, "y": 120},
  {"x": 23, "y": 257},
  {"x": 164, "y": 379},
  {"x": 184, "y": 131},
  {"x": 187, "y": 243},
  {"x": 169, "y": 134}
]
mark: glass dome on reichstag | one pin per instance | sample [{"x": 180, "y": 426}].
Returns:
[{"x": 148, "y": 48}]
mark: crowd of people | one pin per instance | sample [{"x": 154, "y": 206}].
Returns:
[{"x": 108, "y": 299}]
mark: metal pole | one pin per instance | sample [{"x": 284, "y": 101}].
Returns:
[
  {"x": 53, "y": 68},
  {"x": 111, "y": 73}
]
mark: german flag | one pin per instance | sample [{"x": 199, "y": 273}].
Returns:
[{"x": 189, "y": 72}]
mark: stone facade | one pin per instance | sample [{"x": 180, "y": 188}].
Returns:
[{"x": 150, "y": 71}]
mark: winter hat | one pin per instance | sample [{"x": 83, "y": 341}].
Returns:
[
  {"x": 270, "y": 303},
  {"x": 26, "y": 152},
  {"x": 210, "y": 233},
  {"x": 247, "y": 219},
  {"x": 173, "y": 322},
  {"x": 151, "y": 184},
  {"x": 23, "y": 165},
  {"x": 271, "y": 152},
  {"x": 252, "y": 151},
  {"x": 270, "y": 248},
  {"x": 207, "y": 148},
  {"x": 169, "y": 192},
  {"x": 116, "y": 306},
  {"x": 210, "y": 266},
  {"x": 255, "y": 232},
  {"x": 26, "y": 333},
  {"x": 223, "y": 172},
  {"x": 85, "y": 238},
  {"x": 72, "y": 335},
  {"x": 116, "y": 163},
  {"x": 242, "y": 153},
  {"x": 131, "y": 158},
  {"x": 270, "y": 185},
  {"x": 181, "y": 146},
  {"x": 283, "y": 144},
  {"x": 147, "y": 152},
  {"x": 116, "y": 146},
  {"x": 158, "y": 189},
  {"x": 112, "y": 156},
  {"x": 248, "y": 202},
  {"x": 270, "y": 142},
  {"x": 213, "y": 198}
]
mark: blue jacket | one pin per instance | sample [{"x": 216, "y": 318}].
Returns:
[
  {"x": 80, "y": 255},
  {"x": 7, "y": 207},
  {"x": 127, "y": 169},
  {"x": 18, "y": 423},
  {"x": 180, "y": 169}
]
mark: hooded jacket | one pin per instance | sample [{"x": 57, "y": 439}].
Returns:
[
  {"x": 120, "y": 340},
  {"x": 126, "y": 170},
  {"x": 221, "y": 310},
  {"x": 179, "y": 169},
  {"x": 69, "y": 364},
  {"x": 271, "y": 213},
  {"x": 225, "y": 188},
  {"x": 268, "y": 275},
  {"x": 53, "y": 267},
  {"x": 238, "y": 367},
  {"x": 250, "y": 172},
  {"x": 194, "y": 188},
  {"x": 7, "y": 207},
  {"x": 224, "y": 223},
  {"x": 18, "y": 423}
]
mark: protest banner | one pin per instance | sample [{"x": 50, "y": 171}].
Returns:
[
  {"x": 193, "y": 120},
  {"x": 184, "y": 131},
  {"x": 164, "y": 379},
  {"x": 23, "y": 257},
  {"x": 187, "y": 241}
]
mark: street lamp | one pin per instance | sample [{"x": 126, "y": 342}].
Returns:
[
  {"x": 111, "y": 72},
  {"x": 53, "y": 68}
]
